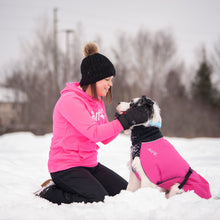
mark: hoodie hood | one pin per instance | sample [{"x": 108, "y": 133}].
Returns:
[
  {"x": 71, "y": 87},
  {"x": 74, "y": 88}
]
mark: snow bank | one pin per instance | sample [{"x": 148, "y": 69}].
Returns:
[{"x": 23, "y": 168}]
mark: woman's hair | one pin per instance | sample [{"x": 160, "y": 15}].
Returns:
[{"x": 95, "y": 95}]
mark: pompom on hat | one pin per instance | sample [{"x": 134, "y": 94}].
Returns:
[{"x": 95, "y": 66}]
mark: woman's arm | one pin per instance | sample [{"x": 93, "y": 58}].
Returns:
[{"x": 75, "y": 112}]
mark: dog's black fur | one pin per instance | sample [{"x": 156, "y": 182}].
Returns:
[
  {"x": 144, "y": 101},
  {"x": 142, "y": 133}
]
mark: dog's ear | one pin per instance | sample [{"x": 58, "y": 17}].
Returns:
[
  {"x": 150, "y": 102},
  {"x": 134, "y": 102},
  {"x": 156, "y": 114},
  {"x": 146, "y": 101}
]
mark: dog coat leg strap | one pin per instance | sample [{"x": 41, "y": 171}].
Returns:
[{"x": 186, "y": 178}]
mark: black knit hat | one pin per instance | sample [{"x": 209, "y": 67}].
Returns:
[{"x": 95, "y": 66}]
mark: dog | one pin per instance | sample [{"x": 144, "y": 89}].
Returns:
[{"x": 154, "y": 161}]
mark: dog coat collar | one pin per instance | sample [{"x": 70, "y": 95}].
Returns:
[{"x": 142, "y": 134}]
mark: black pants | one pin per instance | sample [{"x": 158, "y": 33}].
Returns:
[{"x": 84, "y": 184}]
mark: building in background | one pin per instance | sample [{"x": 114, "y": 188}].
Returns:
[{"x": 12, "y": 103}]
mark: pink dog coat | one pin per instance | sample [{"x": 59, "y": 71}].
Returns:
[{"x": 164, "y": 166}]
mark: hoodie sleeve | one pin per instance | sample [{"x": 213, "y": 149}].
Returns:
[
  {"x": 75, "y": 112},
  {"x": 111, "y": 138}
]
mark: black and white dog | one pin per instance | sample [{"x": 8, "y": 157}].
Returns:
[{"x": 154, "y": 161}]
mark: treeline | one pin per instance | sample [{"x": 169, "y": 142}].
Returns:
[{"x": 146, "y": 63}]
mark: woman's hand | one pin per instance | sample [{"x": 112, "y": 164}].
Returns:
[{"x": 133, "y": 116}]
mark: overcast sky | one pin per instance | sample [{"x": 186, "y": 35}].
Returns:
[{"x": 193, "y": 22}]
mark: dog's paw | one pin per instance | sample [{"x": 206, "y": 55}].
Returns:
[
  {"x": 164, "y": 190},
  {"x": 127, "y": 132},
  {"x": 133, "y": 169},
  {"x": 174, "y": 190}
]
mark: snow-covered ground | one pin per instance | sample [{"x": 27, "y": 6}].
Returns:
[{"x": 23, "y": 167}]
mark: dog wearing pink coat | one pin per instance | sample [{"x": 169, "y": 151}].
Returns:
[{"x": 155, "y": 162}]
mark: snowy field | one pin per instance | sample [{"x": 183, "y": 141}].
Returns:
[{"x": 23, "y": 167}]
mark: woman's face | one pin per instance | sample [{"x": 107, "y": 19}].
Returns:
[{"x": 102, "y": 86}]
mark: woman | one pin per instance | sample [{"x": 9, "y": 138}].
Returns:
[{"x": 79, "y": 122}]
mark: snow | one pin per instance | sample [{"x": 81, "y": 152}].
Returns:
[{"x": 23, "y": 168}]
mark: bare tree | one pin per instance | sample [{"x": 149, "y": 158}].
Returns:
[
  {"x": 121, "y": 84},
  {"x": 174, "y": 106},
  {"x": 145, "y": 61},
  {"x": 34, "y": 75},
  {"x": 142, "y": 53},
  {"x": 164, "y": 60},
  {"x": 215, "y": 61}
]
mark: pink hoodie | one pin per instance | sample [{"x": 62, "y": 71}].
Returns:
[{"x": 79, "y": 122}]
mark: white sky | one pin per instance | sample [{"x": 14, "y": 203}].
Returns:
[{"x": 193, "y": 22}]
